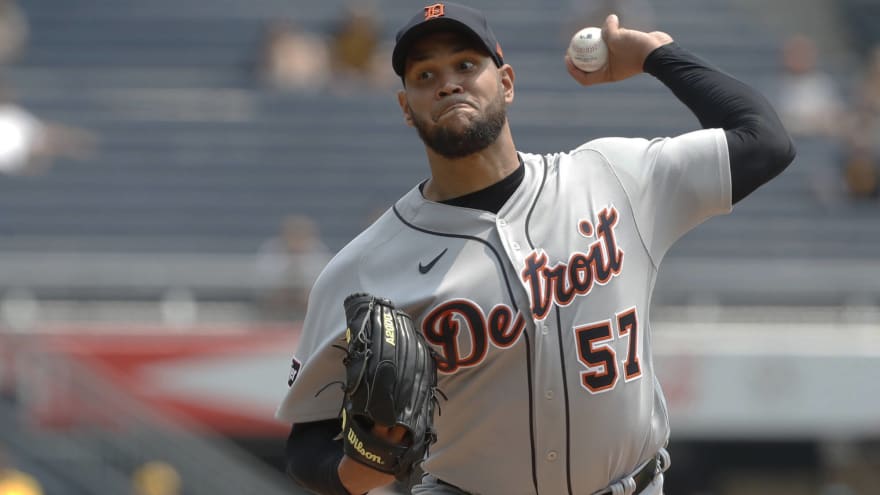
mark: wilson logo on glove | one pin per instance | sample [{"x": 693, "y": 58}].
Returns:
[{"x": 359, "y": 447}]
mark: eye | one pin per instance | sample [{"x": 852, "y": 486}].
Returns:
[
  {"x": 423, "y": 75},
  {"x": 466, "y": 65}
]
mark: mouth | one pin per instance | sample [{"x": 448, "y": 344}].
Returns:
[{"x": 452, "y": 108}]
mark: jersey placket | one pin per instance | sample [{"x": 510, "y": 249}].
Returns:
[{"x": 549, "y": 397}]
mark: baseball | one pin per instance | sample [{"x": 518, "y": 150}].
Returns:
[{"x": 587, "y": 50}]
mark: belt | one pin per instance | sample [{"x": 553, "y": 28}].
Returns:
[
  {"x": 645, "y": 476},
  {"x": 642, "y": 478}
]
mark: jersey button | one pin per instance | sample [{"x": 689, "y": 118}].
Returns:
[
  {"x": 548, "y": 395},
  {"x": 552, "y": 455},
  {"x": 502, "y": 222},
  {"x": 515, "y": 246}
]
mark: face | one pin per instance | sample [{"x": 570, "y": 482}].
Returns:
[{"x": 454, "y": 95}]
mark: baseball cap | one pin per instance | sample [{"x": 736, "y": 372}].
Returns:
[{"x": 445, "y": 16}]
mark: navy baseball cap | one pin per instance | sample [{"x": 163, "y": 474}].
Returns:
[{"x": 445, "y": 16}]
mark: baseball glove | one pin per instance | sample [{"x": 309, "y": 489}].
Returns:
[{"x": 391, "y": 378}]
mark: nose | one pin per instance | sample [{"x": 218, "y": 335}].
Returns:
[{"x": 448, "y": 88}]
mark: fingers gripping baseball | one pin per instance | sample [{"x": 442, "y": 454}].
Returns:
[{"x": 627, "y": 51}]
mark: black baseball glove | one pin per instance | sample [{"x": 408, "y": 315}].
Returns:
[{"x": 391, "y": 378}]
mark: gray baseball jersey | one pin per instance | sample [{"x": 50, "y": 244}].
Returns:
[{"x": 539, "y": 313}]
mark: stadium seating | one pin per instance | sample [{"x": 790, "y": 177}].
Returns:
[
  {"x": 197, "y": 157},
  {"x": 863, "y": 17}
]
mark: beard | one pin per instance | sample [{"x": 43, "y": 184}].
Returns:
[{"x": 474, "y": 138}]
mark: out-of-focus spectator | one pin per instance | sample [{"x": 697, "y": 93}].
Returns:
[
  {"x": 357, "y": 52},
  {"x": 13, "y": 31},
  {"x": 293, "y": 58},
  {"x": 156, "y": 478},
  {"x": 16, "y": 482},
  {"x": 289, "y": 264},
  {"x": 870, "y": 85},
  {"x": 860, "y": 174},
  {"x": 29, "y": 145},
  {"x": 862, "y": 140},
  {"x": 861, "y": 152},
  {"x": 810, "y": 104}
]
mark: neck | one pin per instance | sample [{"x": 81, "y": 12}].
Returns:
[{"x": 451, "y": 178}]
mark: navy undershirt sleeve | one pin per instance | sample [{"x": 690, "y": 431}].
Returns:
[
  {"x": 313, "y": 456},
  {"x": 759, "y": 146}
]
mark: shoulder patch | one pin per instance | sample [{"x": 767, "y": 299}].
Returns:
[{"x": 294, "y": 370}]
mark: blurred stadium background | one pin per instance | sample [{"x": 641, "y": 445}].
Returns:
[{"x": 177, "y": 170}]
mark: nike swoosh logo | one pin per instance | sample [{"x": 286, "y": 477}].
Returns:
[{"x": 423, "y": 269}]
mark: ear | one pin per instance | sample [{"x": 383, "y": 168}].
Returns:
[
  {"x": 507, "y": 78},
  {"x": 404, "y": 107}
]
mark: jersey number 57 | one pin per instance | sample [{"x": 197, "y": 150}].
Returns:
[{"x": 596, "y": 351}]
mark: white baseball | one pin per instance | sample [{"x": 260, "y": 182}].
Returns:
[{"x": 587, "y": 49}]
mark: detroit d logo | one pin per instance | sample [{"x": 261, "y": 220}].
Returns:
[{"x": 436, "y": 10}]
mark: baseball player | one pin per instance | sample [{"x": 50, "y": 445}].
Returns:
[{"x": 529, "y": 275}]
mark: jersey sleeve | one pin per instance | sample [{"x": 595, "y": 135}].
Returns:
[
  {"x": 673, "y": 184},
  {"x": 314, "y": 384}
]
